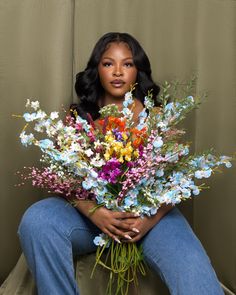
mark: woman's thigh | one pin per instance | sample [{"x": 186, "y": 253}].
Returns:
[
  {"x": 174, "y": 252},
  {"x": 54, "y": 218}
]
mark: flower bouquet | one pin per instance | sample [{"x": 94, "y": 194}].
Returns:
[{"x": 123, "y": 166}]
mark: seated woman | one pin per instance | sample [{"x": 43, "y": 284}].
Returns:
[{"x": 52, "y": 233}]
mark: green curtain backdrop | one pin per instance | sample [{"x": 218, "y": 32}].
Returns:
[
  {"x": 36, "y": 54},
  {"x": 44, "y": 43}
]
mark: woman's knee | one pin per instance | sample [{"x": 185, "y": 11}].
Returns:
[
  {"x": 172, "y": 250},
  {"x": 39, "y": 218},
  {"x": 53, "y": 217},
  {"x": 173, "y": 240}
]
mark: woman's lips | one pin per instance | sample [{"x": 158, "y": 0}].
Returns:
[{"x": 117, "y": 83}]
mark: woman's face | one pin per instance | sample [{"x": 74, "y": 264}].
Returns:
[{"x": 117, "y": 71}]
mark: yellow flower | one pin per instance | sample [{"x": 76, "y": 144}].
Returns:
[
  {"x": 127, "y": 151},
  {"x": 121, "y": 160},
  {"x": 117, "y": 146},
  {"x": 124, "y": 135},
  {"x": 108, "y": 153},
  {"x": 136, "y": 154},
  {"x": 128, "y": 158},
  {"x": 109, "y": 138},
  {"x": 107, "y": 156}
]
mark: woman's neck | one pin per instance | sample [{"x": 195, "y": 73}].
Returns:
[
  {"x": 103, "y": 101},
  {"x": 111, "y": 100},
  {"x": 136, "y": 109}
]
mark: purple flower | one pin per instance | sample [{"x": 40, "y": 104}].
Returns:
[
  {"x": 140, "y": 149},
  {"x": 117, "y": 134},
  {"x": 130, "y": 164},
  {"x": 111, "y": 170}
]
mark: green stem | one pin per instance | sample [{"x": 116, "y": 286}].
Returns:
[{"x": 123, "y": 261}]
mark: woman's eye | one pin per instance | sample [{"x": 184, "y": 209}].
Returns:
[
  {"x": 129, "y": 64},
  {"x": 107, "y": 64}
]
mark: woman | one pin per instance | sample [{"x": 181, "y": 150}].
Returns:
[{"x": 51, "y": 233}]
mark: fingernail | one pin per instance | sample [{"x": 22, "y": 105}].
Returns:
[
  {"x": 128, "y": 237},
  {"x": 117, "y": 240},
  {"x": 136, "y": 214},
  {"x": 135, "y": 230}
]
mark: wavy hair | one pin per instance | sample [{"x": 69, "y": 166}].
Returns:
[{"x": 88, "y": 87}]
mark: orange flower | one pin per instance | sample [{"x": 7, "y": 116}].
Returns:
[
  {"x": 137, "y": 142},
  {"x": 138, "y": 136},
  {"x": 114, "y": 122}
]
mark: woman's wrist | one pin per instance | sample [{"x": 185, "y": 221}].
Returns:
[
  {"x": 86, "y": 207},
  {"x": 162, "y": 211}
]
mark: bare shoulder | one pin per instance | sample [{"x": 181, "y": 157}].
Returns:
[{"x": 157, "y": 110}]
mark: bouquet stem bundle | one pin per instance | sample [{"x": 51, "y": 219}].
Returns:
[{"x": 123, "y": 261}]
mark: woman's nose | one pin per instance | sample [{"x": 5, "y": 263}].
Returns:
[{"x": 117, "y": 71}]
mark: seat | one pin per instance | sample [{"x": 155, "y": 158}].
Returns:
[{"x": 20, "y": 281}]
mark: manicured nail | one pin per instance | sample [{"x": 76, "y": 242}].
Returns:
[
  {"x": 117, "y": 240},
  {"x": 128, "y": 237},
  {"x": 135, "y": 230}
]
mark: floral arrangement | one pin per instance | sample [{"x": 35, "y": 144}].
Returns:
[{"x": 123, "y": 166}]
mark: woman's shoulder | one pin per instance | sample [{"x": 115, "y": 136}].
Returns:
[{"x": 157, "y": 109}]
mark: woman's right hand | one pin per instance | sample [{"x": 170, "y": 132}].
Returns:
[{"x": 113, "y": 223}]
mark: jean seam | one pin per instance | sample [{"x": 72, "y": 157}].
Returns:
[{"x": 68, "y": 234}]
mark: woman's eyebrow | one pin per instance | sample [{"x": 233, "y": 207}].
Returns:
[{"x": 106, "y": 57}]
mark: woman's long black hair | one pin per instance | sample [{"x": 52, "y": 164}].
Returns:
[{"x": 88, "y": 86}]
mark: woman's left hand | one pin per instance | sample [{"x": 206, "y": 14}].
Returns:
[{"x": 140, "y": 226}]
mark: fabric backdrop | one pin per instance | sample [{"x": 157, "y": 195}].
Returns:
[{"x": 44, "y": 43}]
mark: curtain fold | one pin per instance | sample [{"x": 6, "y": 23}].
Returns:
[
  {"x": 214, "y": 211},
  {"x": 44, "y": 43},
  {"x": 36, "y": 61}
]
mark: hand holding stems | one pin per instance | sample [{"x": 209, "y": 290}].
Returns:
[
  {"x": 121, "y": 225},
  {"x": 112, "y": 223},
  {"x": 143, "y": 225}
]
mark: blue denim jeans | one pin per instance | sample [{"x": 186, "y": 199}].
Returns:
[{"x": 52, "y": 232}]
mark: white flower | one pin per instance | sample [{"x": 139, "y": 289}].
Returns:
[
  {"x": 97, "y": 162},
  {"x": 51, "y": 131},
  {"x": 162, "y": 125},
  {"x": 27, "y": 103},
  {"x": 39, "y": 127},
  {"x": 68, "y": 157},
  {"x": 40, "y": 115},
  {"x": 75, "y": 146},
  {"x": 26, "y": 139},
  {"x": 35, "y": 105},
  {"x": 69, "y": 130},
  {"x": 59, "y": 125},
  {"x": 29, "y": 117},
  {"x": 97, "y": 144},
  {"x": 54, "y": 115},
  {"x": 89, "y": 152}
]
